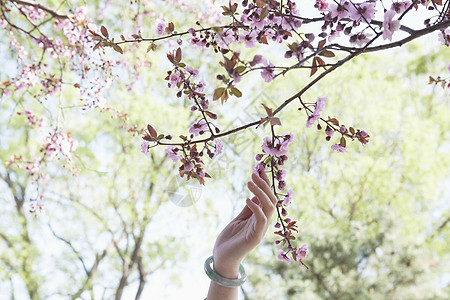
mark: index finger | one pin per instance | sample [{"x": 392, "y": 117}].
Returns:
[{"x": 264, "y": 176}]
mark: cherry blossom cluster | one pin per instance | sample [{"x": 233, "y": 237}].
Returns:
[
  {"x": 274, "y": 155},
  {"x": 189, "y": 154},
  {"x": 185, "y": 80},
  {"x": 332, "y": 125},
  {"x": 59, "y": 145}
]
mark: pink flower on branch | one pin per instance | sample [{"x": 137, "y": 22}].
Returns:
[
  {"x": 198, "y": 128},
  {"x": 287, "y": 199},
  {"x": 160, "y": 28},
  {"x": 268, "y": 72},
  {"x": 365, "y": 11},
  {"x": 283, "y": 256},
  {"x": 30, "y": 116},
  {"x": 302, "y": 252},
  {"x": 338, "y": 148},
  {"x": 321, "y": 5},
  {"x": 389, "y": 25},
  {"x": 400, "y": 7},
  {"x": 144, "y": 148},
  {"x": 172, "y": 153},
  {"x": 319, "y": 106}
]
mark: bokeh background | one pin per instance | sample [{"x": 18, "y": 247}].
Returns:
[{"x": 375, "y": 218}]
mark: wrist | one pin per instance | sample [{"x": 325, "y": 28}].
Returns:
[{"x": 226, "y": 269}]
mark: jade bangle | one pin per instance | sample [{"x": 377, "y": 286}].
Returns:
[{"x": 222, "y": 280}]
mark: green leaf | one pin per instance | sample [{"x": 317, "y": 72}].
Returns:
[
  {"x": 352, "y": 130},
  {"x": 327, "y": 53},
  {"x": 236, "y": 92},
  {"x": 218, "y": 93},
  {"x": 343, "y": 142}
]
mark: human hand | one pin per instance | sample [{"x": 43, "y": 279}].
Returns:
[{"x": 245, "y": 231}]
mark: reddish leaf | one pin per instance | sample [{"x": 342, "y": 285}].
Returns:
[
  {"x": 170, "y": 27},
  {"x": 178, "y": 55},
  {"x": 321, "y": 44},
  {"x": 263, "y": 40},
  {"x": 275, "y": 121},
  {"x": 333, "y": 121},
  {"x": 104, "y": 31},
  {"x": 321, "y": 62},
  {"x": 96, "y": 46},
  {"x": 268, "y": 110},
  {"x": 224, "y": 97},
  {"x": 211, "y": 115},
  {"x": 117, "y": 48},
  {"x": 152, "y": 131},
  {"x": 314, "y": 68}
]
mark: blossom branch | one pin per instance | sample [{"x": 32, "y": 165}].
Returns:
[{"x": 39, "y": 6}]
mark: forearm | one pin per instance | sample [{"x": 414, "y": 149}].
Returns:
[{"x": 218, "y": 292}]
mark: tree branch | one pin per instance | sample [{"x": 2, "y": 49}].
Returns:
[{"x": 37, "y": 5}]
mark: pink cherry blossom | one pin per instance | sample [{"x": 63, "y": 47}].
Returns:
[
  {"x": 283, "y": 256},
  {"x": 160, "y": 28},
  {"x": 340, "y": 10},
  {"x": 444, "y": 37},
  {"x": 144, "y": 148},
  {"x": 198, "y": 128},
  {"x": 219, "y": 147},
  {"x": 400, "y": 7},
  {"x": 34, "y": 167},
  {"x": 280, "y": 175},
  {"x": 287, "y": 199},
  {"x": 312, "y": 119},
  {"x": 329, "y": 131},
  {"x": 288, "y": 139},
  {"x": 172, "y": 153},
  {"x": 320, "y": 104},
  {"x": 257, "y": 59},
  {"x": 360, "y": 39},
  {"x": 366, "y": 11},
  {"x": 321, "y": 5},
  {"x": 268, "y": 72},
  {"x": 273, "y": 150},
  {"x": 30, "y": 116},
  {"x": 175, "y": 78},
  {"x": 249, "y": 38},
  {"x": 188, "y": 166},
  {"x": 338, "y": 148},
  {"x": 192, "y": 71},
  {"x": 302, "y": 252},
  {"x": 389, "y": 25}
]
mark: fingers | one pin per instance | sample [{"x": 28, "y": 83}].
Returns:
[
  {"x": 264, "y": 176},
  {"x": 266, "y": 203},
  {"x": 265, "y": 186},
  {"x": 261, "y": 218}
]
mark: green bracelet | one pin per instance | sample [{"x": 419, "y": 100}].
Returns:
[{"x": 222, "y": 280}]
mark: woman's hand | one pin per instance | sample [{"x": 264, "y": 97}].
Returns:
[{"x": 245, "y": 231}]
